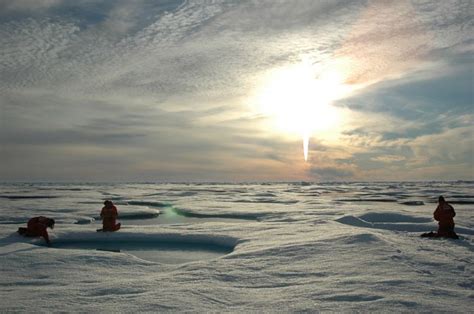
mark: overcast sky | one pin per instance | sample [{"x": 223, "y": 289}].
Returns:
[{"x": 213, "y": 90}]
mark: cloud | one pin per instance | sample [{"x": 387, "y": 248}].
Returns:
[
  {"x": 385, "y": 40},
  {"x": 455, "y": 145},
  {"x": 162, "y": 89},
  {"x": 389, "y": 158},
  {"x": 15, "y": 6}
]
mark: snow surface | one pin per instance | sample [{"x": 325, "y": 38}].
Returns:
[{"x": 286, "y": 247}]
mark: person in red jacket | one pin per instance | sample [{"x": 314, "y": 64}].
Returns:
[
  {"x": 444, "y": 214},
  {"x": 109, "y": 216},
  {"x": 37, "y": 227}
]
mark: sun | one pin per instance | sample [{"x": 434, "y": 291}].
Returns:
[{"x": 299, "y": 100}]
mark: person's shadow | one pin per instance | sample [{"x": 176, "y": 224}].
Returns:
[{"x": 16, "y": 238}]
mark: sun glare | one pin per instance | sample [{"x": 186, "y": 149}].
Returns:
[{"x": 300, "y": 101}]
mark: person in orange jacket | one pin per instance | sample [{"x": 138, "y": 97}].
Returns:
[
  {"x": 109, "y": 216},
  {"x": 37, "y": 227},
  {"x": 444, "y": 215}
]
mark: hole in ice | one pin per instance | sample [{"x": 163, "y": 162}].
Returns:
[{"x": 177, "y": 251}]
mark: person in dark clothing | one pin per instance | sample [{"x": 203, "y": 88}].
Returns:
[
  {"x": 444, "y": 214},
  {"x": 37, "y": 227},
  {"x": 109, "y": 216}
]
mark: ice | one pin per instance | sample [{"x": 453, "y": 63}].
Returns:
[
  {"x": 136, "y": 212},
  {"x": 168, "y": 249},
  {"x": 274, "y": 247},
  {"x": 394, "y": 217},
  {"x": 231, "y": 217}
]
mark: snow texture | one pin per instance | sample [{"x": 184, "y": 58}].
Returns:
[{"x": 286, "y": 247}]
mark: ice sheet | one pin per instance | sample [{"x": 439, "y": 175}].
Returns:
[{"x": 238, "y": 248}]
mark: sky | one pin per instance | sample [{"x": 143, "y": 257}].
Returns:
[{"x": 160, "y": 91}]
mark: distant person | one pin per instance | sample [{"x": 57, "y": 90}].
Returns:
[
  {"x": 444, "y": 214},
  {"x": 37, "y": 227},
  {"x": 109, "y": 216}
]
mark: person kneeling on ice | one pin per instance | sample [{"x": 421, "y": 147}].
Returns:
[
  {"x": 36, "y": 227},
  {"x": 109, "y": 216},
  {"x": 444, "y": 214}
]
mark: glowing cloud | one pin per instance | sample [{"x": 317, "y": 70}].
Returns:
[{"x": 298, "y": 98}]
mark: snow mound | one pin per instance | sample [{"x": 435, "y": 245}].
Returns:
[
  {"x": 388, "y": 221},
  {"x": 396, "y": 222},
  {"x": 363, "y": 238},
  {"x": 354, "y": 221}
]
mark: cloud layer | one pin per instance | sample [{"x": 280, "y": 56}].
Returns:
[{"x": 162, "y": 91}]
